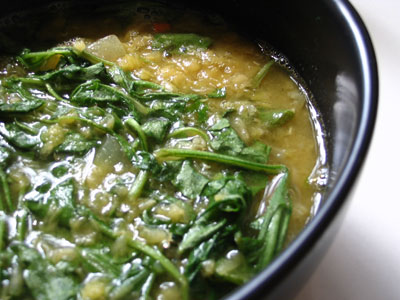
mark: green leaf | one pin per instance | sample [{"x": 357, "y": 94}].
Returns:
[
  {"x": 94, "y": 91},
  {"x": 74, "y": 73},
  {"x": 156, "y": 129},
  {"x": 146, "y": 161},
  {"x": 16, "y": 136},
  {"x": 221, "y": 124},
  {"x": 274, "y": 223},
  {"x": 234, "y": 268},
  {"x": 199, "y": 232},
  {"x": 250, "y": 247},
  {"x": 21, "y": 106},
  {"x": 198, "y": 255},
  {"x": 180, "y": 42},
  {"x": 225, "y": 139},
  {"x": 174, "y": 153},
  {"x": 275, "y": 117},
  {"x": 229, "y": 193},
  {"x": 5, "y": 156},
  {"x": 261, "y": 74},
  {"x": 200, "y": 109},
  {"x": 60, "y": 170},
  {"x": 255, "y": 181},
  {"x": 75, "y": 143},
  {"x": 189, "y": 181},
  {"x": 131, "y": 85},
  {"x": 98, "y": 260},
  {"x": 258, "y": 152},
  {"x": 62, "y": 198},
  {"x": 44, "y": 280},
  {"x": 170, "y": 109},
  {"x": 120, "y": 77},
  {"x": 56, "y": 204},
  {"x": 35, "y": 60},
  {"x": 218, "y": 93},
  {"x": 126, "y": 286}
]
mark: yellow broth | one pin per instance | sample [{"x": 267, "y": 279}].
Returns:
[{"x": 104, "y": 175}]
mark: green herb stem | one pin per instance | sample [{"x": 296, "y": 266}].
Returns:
[
  {"x": 92, "y": 58},
  {"x": 261, "y": 74},
  {"x": 28, "y": 80},
  {"x": 6, "y": 190},
  {"x": 2, "y": 231},
  {"x": 139, "y": 106},
  {"x": 53, "y": 92},
  {"x": 146, "y": 249},
  {"x": 147, "y": 286},
  {"x": 275, "y": 223},
  {"x": 171, "y": 153},
  {"x": 133, "y": 124},
  {"x": 138, "y": 185},
  {"x": 165, "y": 262},
  {"x": 22, "y": 225},
  {"x": 189, "y": 131}
]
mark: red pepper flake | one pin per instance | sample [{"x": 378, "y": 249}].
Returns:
[{"x": 161, "y": 27}]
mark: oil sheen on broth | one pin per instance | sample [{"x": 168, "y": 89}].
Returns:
[{"x": 169, "y": 158}]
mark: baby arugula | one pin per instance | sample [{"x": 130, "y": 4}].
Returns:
[{"x": 66, "y": 91}]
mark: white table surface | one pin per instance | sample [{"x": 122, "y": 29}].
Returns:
[{"x": 364, "y": 259}]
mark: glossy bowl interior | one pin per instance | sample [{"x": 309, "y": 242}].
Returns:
[{"x": 329, "y": 47}]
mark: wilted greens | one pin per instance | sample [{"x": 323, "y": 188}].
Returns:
[{"x": 111, "y": 184}]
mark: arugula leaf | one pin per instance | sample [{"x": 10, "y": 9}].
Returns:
[
  {"x": 57, "y": 203},
  {"x": 16, "y": 136},
  {"x": 94, "y": 91},
  {"x": 200, "y": 231},
  {"x": 5, "y": 156},
  {"x": 146, "y": 161},
  {"x": 250, "y": 247},
  {"x": 218, "y": 93},
  {"x": 174, "y": 153},
  {"x": 275, "y": 117},
  {"x": 171, "y": 110},
  {"x": 180, "y": 42},
  {"x": 225, "y": 139},
  {"x": 229, "y": 193},
  {"x": 74, "y": 73},
  {"x": 21, "y": 106},
  {"x": 35, "y": 60},
  {"x": 189, "y": 181},
  {"x": 132, "y": 86},
  {"x": 274, "y": 223},
  {"x": 156, "y": 129},
  {"x": 226, "y": 195},
  {"x": 97, "y": 260},
  {"x": 43, "y": 279},
  {"x": 258, "y": 152},
  {"x": 198, "y": 255},
  {"x": 261, "y": 74},
  {"x": 201, "y": 110},
  {"x": 126, "y": 286},
  {"x": 255, "y": 181},
  {"x": 120, "y": 77},
  {"x": 75, "y": 143},
  {"x": 234, "y": 268},
  {"x": 232, "y": 196}
]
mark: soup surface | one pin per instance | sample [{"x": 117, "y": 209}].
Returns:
[{"x": 161, "y": 156}]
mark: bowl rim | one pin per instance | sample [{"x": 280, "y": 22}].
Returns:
[{"x": 283, "y": 264}]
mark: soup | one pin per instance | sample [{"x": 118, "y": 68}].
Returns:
[{"x": 162, "y": 157}]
